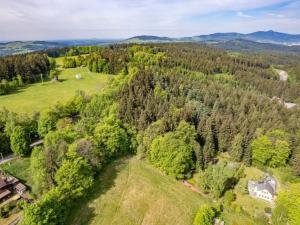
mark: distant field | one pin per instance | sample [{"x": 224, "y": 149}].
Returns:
[
  {"x": 131, "y": 192},
  {"x": 35, "y": 97}
]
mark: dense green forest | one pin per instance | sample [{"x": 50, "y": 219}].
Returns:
[
  {"x": 20, "y": 69},
  {"x": 177, "y": 105}
]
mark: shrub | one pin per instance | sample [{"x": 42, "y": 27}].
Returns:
[
  {"x": 19, "y": 141},
  {"x": 112, "y": 138},
  {"x": 229, "y": 197},
  {"x": 47, "y": 122},
  {"x": 268, "y": 210},
  {"x": 204, "y": 216}
]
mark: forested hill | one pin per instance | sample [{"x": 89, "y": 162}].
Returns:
[
  {"x": 254, "y": 47},
  {"x": 178, "y": 105},
  {"x": 226, "y": 41},
  {"x": 259, "y": 36}
]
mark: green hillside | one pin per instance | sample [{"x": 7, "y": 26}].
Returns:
[{"x": 132, "y": 192}]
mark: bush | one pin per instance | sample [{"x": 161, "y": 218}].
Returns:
[
  {"x": 4, "y": 143},
  {"x": 242, "y": 186},
  {"x": 112, "y": 138},
  {"x": 229, "y": 197},
  {"x": 218, "y": 178},
  {"x": 204, "y": 216},
  {"x": 268, "y": 210},
  {"x": 47, "y": 122},
  {"x": 19, "y": 141}
]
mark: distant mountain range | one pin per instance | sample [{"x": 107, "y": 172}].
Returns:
[
  {"x": 241, "y": 45},
  {"x": 269, "y": 41},
  {"x": 148, "y": 38},
  {"x": 259, "y": 36}
]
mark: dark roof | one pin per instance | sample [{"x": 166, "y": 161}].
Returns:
[
  {"x": 4, "y": 194},
  {"x": 3, "y": 183},
  {"x": 265, "y": 186}
]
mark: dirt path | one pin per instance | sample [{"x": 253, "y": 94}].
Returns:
[
  {"x": 283, "y": 75},
  {"x": 193, "y": 188},
  {"x": 7, "y": 158}
]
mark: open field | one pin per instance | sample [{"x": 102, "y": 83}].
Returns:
[
  {"x": 132, "y": 192},
  {"x": 35, "y": 97}
]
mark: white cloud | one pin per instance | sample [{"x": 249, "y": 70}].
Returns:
[
  {"x": 241, "y": 14},
  {"x": 52, "y": 19}
]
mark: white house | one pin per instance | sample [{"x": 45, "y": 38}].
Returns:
[{"x": 265, "y": 189}]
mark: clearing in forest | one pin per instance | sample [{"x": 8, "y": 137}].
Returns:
[{"x": 34, "y": 97}]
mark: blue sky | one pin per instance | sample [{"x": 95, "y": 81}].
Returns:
[{"x": 65, "y": 19}]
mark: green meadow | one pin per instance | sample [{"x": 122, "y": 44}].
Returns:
[
  {"x": 132, "y": 192},
  {"x": 35, "y": 97}
]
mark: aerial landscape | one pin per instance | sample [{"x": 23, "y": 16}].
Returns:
[{"x": 150, "y": 112}]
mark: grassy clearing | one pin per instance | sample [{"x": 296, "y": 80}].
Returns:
[
  {"x": 20, "y": 168},
  {"x": 35, "y": 97},
  {"x": 132, "y": 192}
]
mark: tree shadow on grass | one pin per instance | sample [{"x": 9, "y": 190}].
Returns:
[
  {"x": 15, "y": 91},
  {"x": 82, "y": 213},
  {"x": 60, "y": 80}
]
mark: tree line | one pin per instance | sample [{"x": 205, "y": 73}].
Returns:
[{"x": 19, "y": 69}]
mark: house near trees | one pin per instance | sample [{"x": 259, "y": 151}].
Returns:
[
  {"x": 10, "y": 185},
  {"x": 264, "y": 189}
]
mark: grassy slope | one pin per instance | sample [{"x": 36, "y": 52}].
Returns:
[
  {"x": 37, "y": 96},
  {"x": 19, "y": 168},
  {"x": 131, "y": 192}
]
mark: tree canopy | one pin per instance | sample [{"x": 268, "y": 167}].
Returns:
[
  {"x": 288, "y": 206},
  {"x": 173, "y": 152},
  {"x": 271, "y": 149}
]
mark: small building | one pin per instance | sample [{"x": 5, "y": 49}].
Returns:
[
  {"x": 5, "y": 194},
  {"x": 20, "y": 188},
  {"x": 5, "y": 191},
  {"x": 10, "y": 185},
  {"x": 264, "y": 189}
]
